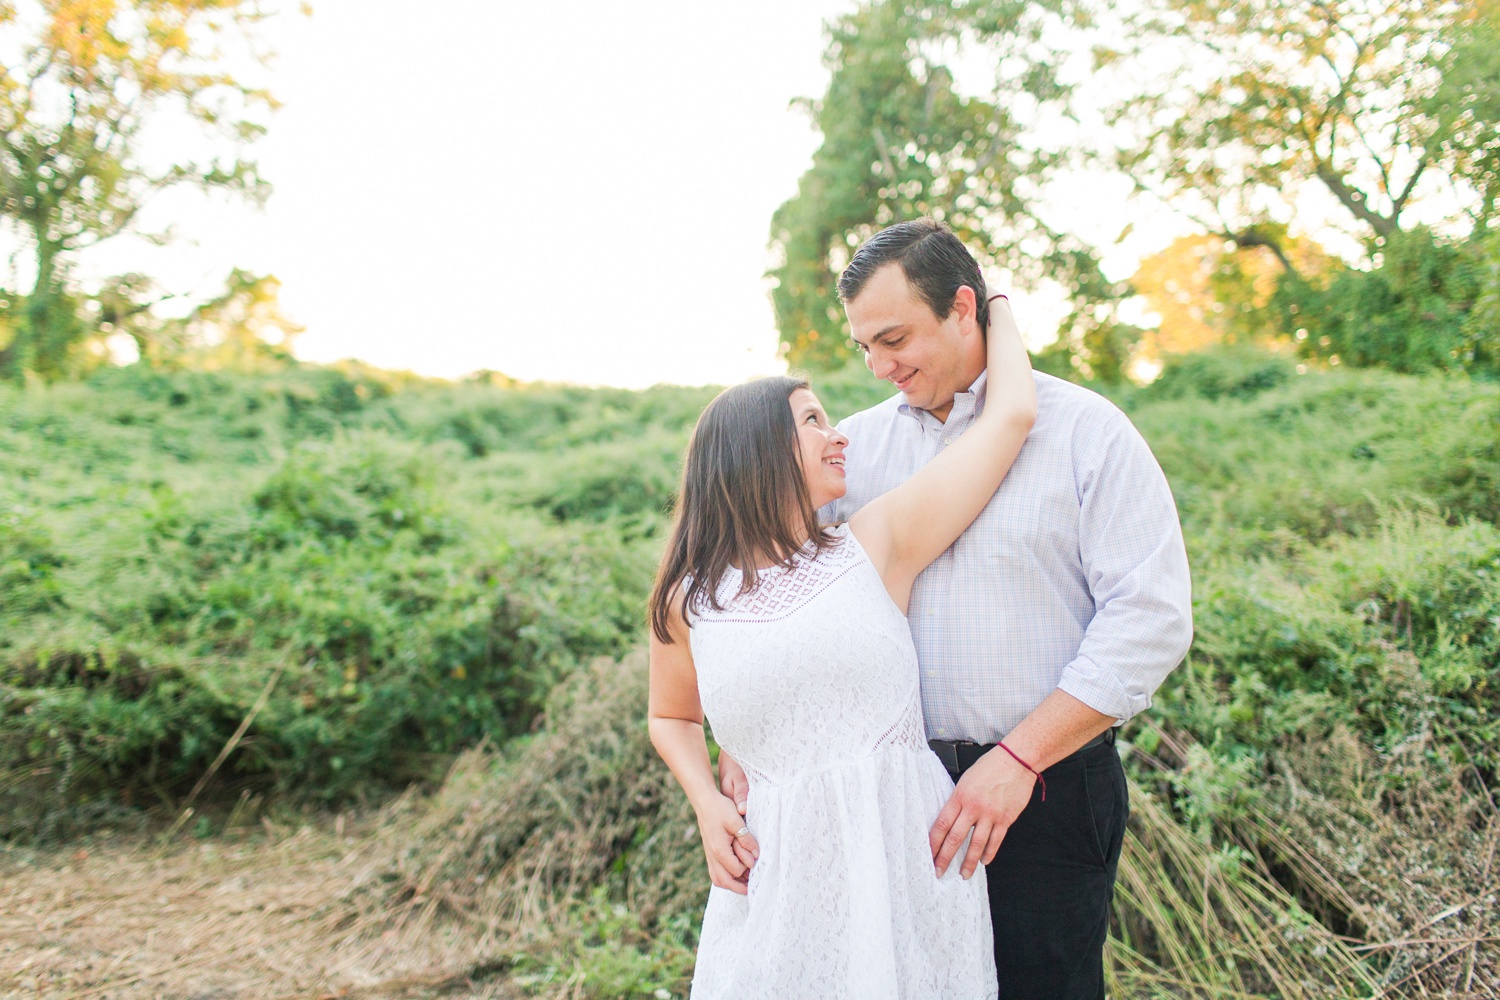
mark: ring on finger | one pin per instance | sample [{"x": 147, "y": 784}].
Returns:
[{"x": 744, "y": 830}]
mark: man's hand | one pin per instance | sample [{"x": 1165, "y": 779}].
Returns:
[
  {"x": 732, "y": 782},
  {"x": 987, "y": 800}
]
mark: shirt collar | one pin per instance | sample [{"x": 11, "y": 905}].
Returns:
[{"x": 966, "y": 405}]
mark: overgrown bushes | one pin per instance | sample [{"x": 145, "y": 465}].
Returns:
[
  {"x": 1336, "y": 716},
  {"x": 169, "y": 544}
]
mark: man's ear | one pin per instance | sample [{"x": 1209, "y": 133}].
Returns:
[{"x": 966, "y": 308}]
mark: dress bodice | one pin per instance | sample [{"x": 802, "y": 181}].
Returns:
[{"x": 811, "y": 669}]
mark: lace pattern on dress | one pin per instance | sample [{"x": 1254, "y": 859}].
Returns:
[
  {"x": 781, "y": 591},
  {"x": 908, "y": 732}
]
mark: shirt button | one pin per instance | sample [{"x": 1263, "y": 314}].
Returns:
[{"x": 947, "y": 440}]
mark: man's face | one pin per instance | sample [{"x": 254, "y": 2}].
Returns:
[{"x": 904, "y": 342}]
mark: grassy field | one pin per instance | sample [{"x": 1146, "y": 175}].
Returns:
[{"x": 319, "y": 587}]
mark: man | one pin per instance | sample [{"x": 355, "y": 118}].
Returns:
[{"x": 1048, "y": 623}]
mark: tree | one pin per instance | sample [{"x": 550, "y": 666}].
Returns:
[
  {"x": 1466, "y": 107},
  {"x": 899, "y": 142},
  {"x": 243, "y": 328},
  {"x": 1209, "y": 292},
  {"x": 1428, "y": 305},
  {"x": 73, "y": 109},
  {"x": 1228, "y": 111},
  {"x": 1379, "y": 103}
]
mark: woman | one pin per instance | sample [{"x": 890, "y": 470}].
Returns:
[{"x": 793, "y": 639}]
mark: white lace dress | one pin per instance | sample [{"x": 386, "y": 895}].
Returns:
[{"x": 811, "y": 683}]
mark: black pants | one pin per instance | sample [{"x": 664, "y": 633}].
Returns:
[{"x": 1053, "y": 879}]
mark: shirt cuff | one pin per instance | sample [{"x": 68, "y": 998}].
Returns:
[{"x": 1102, "y": 690}]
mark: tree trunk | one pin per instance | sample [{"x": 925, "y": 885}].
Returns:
[{"x": 46, "y": 329}]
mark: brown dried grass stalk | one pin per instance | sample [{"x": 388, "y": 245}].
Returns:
[
  {"x": 513, "y": 841},
  {"x": 1196, "y": 921},
  {"x": 1402, "y": 851}
]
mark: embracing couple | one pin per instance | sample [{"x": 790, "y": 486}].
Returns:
[{"x": 913, "y": 634}]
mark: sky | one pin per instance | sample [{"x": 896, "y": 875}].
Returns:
[{"x": 577, "y": 193}]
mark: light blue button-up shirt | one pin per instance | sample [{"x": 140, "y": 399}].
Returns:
[{"x": 1073, "y": 577}]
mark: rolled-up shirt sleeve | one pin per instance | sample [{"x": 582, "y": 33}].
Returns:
[{"x": 1135, "y": 564}]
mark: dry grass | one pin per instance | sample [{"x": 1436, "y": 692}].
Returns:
[
  {"x": 508, "y": 857},
  {"x": 1355, "y": 874},
  {"x": 1401, "y": 853},
  {"x": 254, "y": 919},
  {"x": 1194, "y": 921}
]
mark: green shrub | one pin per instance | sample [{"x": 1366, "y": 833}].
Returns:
[
  {"x": 157, "y": 588},
  {"x": 1322, "y": 454},
  {"x": 631, "y": 482},
  {"x": 28, "y": 561},
  {"x": 1413, "y": 312},
  {"x": 1232, "y": 371}
]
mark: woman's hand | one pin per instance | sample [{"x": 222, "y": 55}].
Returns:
[
  {"x": 730, "y": 847},
  {"x": 1011, "y": 387}
]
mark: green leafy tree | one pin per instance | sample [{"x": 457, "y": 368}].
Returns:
[
  {"x": 1466, "y": 107},
  {"x": 1380, "y": 103},
  {"x": 1424, "y": 307},
  {"x": 74, "y": 106},
  {"x": 900, "y": 141},
  {"x": 244, "y": 327}
]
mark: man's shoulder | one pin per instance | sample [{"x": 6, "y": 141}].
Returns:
[
  {"x": 1070, "y": 395},
  {"x": 1067, "y": 404}
]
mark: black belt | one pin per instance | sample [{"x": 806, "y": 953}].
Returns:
[{"x": 959, "y": 755}]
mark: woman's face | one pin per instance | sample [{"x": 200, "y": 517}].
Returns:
[{"x": 821, "y": 448}]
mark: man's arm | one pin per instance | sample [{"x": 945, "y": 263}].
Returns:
[{"x": 1130, "y": 542}]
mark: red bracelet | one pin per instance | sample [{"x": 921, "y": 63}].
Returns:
[{"x": 1041, "y": 780}]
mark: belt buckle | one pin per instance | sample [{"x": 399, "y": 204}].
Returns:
[{"x": 947, "y": 752}]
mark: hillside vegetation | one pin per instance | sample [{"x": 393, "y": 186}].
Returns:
[
  {"x": 405, "y": 568},
  {"x": 379, "y": 575}
]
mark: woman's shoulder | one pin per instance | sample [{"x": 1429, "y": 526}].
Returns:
[{"x": 846, "y": 549}]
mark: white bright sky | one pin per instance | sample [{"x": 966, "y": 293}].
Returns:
[{"x": 577, "y": 192}]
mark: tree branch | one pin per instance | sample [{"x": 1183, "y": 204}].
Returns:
[
  {"x": 1353, "y": 199},
  {"x": 1399, "y": 203},
  {"x": 1255, "y": 236}
]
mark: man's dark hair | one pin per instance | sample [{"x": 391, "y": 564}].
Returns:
[{"x": 934, "y": 260}]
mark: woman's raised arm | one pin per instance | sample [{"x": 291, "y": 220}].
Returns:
[{"x": 909, "y": 527}]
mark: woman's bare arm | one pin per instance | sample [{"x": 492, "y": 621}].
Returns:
[
  {"x": 909, "y": 527},
  {"x": 675, "y": 719}
]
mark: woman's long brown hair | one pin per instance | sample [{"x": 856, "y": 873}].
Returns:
[{"x": 743, "y": 498}]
